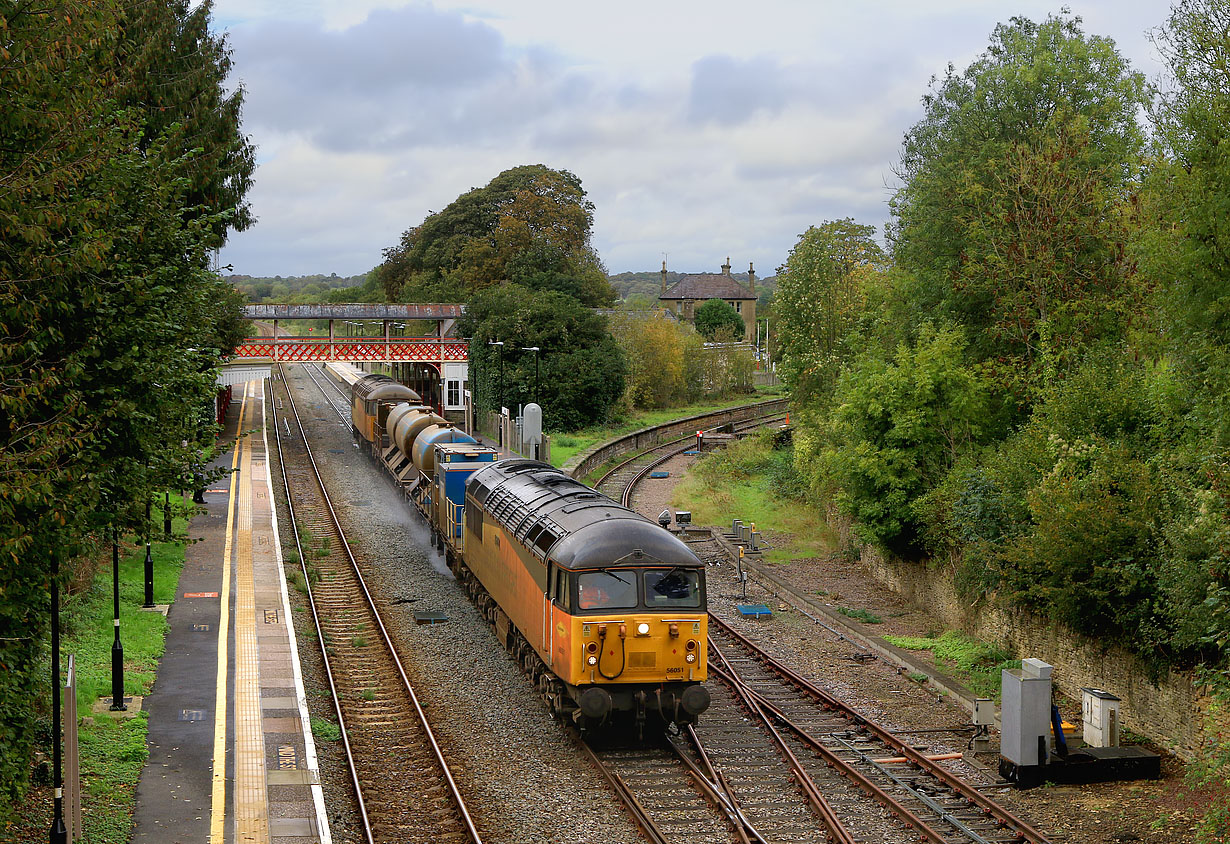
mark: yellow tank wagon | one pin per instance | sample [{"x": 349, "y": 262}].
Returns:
[{"x": 372, "y": 397}]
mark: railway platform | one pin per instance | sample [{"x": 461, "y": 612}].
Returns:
[{"x": 232, "y": 760}]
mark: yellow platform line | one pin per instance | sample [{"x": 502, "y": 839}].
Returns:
[
  {"x": 251, "y": 806},
  {"x": 217, "y": 813},
  {"x": 323, "y": 833}
]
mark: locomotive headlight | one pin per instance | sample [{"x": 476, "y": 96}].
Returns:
[
  {"x": 642, "y": 629},
  {"x": 690, "y": 657},
  {"x": 593, "y": 660}
]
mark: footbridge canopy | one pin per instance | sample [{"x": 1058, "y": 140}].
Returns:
[{"x": 356, "y": 310}]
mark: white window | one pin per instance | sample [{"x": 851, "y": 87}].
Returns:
[{"x": 453, "y": 377}]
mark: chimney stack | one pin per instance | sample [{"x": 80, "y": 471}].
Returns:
[
  {"x": 726, "y": 267},
  {"x": 751, "y": 276},
  {"x": 664, "y": 277}
]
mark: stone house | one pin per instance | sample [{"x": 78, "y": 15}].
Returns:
[{"x": 694, "y": 289}]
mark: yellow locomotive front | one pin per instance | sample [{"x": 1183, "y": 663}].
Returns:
[{"x": 633, "y": 639}]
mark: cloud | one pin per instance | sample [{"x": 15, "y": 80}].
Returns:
[
  {"x": 400, "y": 77},
  {"x": 729, "y": 91},
  {"x": 701, "y": 135}
]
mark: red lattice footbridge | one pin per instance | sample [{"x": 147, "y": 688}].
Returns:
[{"x": 352, "y": 350}]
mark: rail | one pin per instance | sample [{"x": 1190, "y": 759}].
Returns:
[
  {"x": 638, "y": 440},
  {"x": 921, "y": 764}
]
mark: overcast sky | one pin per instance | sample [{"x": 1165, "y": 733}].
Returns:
[{"x": 700, "y": 130}]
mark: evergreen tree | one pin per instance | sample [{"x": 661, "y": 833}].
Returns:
[{"x": 112, "y": 322}]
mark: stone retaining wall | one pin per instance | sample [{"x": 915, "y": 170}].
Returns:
[{"x": 1170, "y": 710}]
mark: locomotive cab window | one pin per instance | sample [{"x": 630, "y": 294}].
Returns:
[
  {"x": 601, "y": 590},
  {"x": 677, "y": 587},
  {"x": 559, "y": 590}
]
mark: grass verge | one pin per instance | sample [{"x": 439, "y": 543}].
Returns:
[
  {"x": 756, "y": 482},
  {"x": 973, "y": 662},
  {"x": 113, "y": 751}
]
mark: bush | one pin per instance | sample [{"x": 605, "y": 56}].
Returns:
[{"x": 896, "y": 430}]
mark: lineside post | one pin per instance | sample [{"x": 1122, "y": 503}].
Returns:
[
  {"x": 58, "y": 833},
  {"x": 117, "y": 648}
]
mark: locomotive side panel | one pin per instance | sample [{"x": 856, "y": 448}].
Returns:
[{"x": 516, "y": 584}]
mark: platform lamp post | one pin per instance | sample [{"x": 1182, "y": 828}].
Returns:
[
  {"x": 117, "y": 648},
  {"x": 58, "y": 833},
  {"x": 499, "y": 399}
]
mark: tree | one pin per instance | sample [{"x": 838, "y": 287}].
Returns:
[
  {"x": 530, "y": 225},
  {"x": 821, "y": 292},
  {"x": 581, "y": 370},
  {"x": 112, "y": 324},
  {"x": 897, "y": 428},
  {"x": 172, "y": 67},
  {"x": 716, "y": 314},
  {"x": 1186, "y": 249},
  {"x": 1015, "y": 196},
  {"x": 657, "y": 348}
]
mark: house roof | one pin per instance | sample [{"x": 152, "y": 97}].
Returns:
[{"x": 707, "y": 286}]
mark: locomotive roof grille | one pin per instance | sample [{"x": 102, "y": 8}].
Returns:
[{"x": 554, "y": 516}]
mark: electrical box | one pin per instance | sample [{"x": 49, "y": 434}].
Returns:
[
  {"x": 984, "y": 712},
  {"x": 1025, "y": 737},
  {"x": 1100, "y": 710},
  {"x": 984, "y": 720}
]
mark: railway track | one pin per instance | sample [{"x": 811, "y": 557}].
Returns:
[
  {"x": 331, "y": 391},
  {"x": 401, "y": 779},
  {"x": 795, "y": 763},
  {"x": 775, "y": 758},
  {"x": 620, "y": 480},
  {"x": 851, "y": 758}
]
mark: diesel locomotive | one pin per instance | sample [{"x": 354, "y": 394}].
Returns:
[{"x": 603, "y": 608}]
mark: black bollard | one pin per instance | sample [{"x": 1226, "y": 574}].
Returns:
[{"x": 117, "y": 649}]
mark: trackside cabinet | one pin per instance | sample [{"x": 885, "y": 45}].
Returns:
[
  {"x": 1100, "y": 711},
  {"x": 1025, "y": 738}
]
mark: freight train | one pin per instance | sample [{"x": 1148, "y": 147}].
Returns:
[{"x": 604, "y": 609}]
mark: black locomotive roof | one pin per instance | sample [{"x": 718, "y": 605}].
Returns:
[
  {"x": 383, "y": 388},
  {"x": 563, "y": 521}
]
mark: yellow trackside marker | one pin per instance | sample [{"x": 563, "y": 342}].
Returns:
[{"x": 217, "y": 816}]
